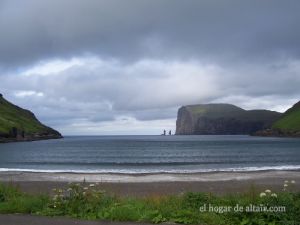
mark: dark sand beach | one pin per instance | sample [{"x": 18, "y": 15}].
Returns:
[{"x": 156, "y": 184}]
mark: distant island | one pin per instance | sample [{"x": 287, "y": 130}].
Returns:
[
  {"x": 17, "y": 124},
  {"x": 227, "y": 119}
]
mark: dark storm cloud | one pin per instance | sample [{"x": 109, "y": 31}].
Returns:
[
  {"x": 127, "y": 65},
  {"x": 208, "y": 29}
]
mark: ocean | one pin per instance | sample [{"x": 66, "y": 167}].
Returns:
[{"x": 152, "y": 154}]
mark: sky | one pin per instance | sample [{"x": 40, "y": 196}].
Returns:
[{"x": 125, "y": 66}]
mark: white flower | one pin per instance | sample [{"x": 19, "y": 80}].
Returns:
[
  {"x": 85, "y": 188},
  {"x": 69, "y": 189},
  {"x": 285, "y": 185},
  {"x": 268, "y": 191},
  {"x": 274, "y": 195},
  {"x": 92, "y": 185},
  {"x": 263, "y": 194},
  {"x": 293, "y": 182},
  {"x": 286, "y": 181}
]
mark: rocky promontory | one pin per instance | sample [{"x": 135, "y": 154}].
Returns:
[
  {"x": 17, "y": 124},
  {"x": 222, "y": 119}
]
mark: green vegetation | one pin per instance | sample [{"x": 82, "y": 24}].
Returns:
[
  {"x": 89, "y": 202},
  {"x": 17, "y": 124},
  {"x": 231, "y": 111},
  {"x": 290, "y": 121},
  {"x": 13, "y": 116}
]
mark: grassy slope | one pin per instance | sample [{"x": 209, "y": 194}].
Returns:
[
  {"x": 13, "y": 116},
  {"x": 215, "y": 110},
  {"x": 290, "y": 120},
  {"x": 231, "y": 111}
]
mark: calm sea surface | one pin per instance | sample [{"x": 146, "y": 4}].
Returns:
[{"x": 152, "y": 154}]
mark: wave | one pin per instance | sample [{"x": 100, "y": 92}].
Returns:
[{"x": 156, "y": 171}]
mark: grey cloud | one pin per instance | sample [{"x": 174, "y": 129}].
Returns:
[
  {"x": 208, "y": 29},
  {"x": 142, "y": 59}
]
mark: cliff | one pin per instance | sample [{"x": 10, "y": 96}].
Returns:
[
  {"x": 288, "y": 125},
  {"x": 17, "y": 124},
  {"x": 218, "y": 119}
]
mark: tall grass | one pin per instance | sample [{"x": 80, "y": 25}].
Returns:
[{"x": 89, "y": 202}]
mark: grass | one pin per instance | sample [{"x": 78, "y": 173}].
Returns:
[
  {"x": 289, "y": 122},
  {"x": 89, "y": 202},
  {"x": 13, "y": 116},
  {"x": 214, "y": 111}
]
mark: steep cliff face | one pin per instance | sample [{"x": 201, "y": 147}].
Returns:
[
  {"x": 17, "y": 124},
  {"x": 217, "y": 119}
]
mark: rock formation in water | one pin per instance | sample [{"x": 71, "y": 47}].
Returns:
[
  {"x": 17, "y": 124},
  {"x": 218, "y": 119}
]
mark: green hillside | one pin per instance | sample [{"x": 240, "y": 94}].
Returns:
[
  {"x": 16, "y": 122},
  {"x": 213, "y": 111},
  {"x": 290, "y": 121}
]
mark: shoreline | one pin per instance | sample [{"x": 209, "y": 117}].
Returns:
[
  {"x": 146, "y": 177},
  {"x": 143, "y": 173},
  {"x": 156, "y": 185}
]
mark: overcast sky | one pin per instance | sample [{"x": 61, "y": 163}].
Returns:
[{"x": 126, "y": 66}]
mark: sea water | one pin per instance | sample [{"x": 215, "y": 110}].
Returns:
[{"x": 152, "y": 154}]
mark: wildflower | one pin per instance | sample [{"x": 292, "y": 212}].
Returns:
[
  {"x": 54, "y": 189},
  {"x": 293, "y": 182},
  {"x": 262, "y": 194},
  {"x": 274, "y": 195},
  {"x": 85, "y": 188},
  {"x": 83, "y": 193},
  {"x": 54, "y": 206},
  {"x": 60, "y": 190},
  {"x": 69, "y": 189},
  {"x": 268, "y": 191},
  {"x": 285, "y": 185},
  {"x": 92, "y": 185},
  {"x": 286, "y": 181}
]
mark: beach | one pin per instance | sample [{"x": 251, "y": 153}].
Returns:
[{"x": 156, "y": 184}]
